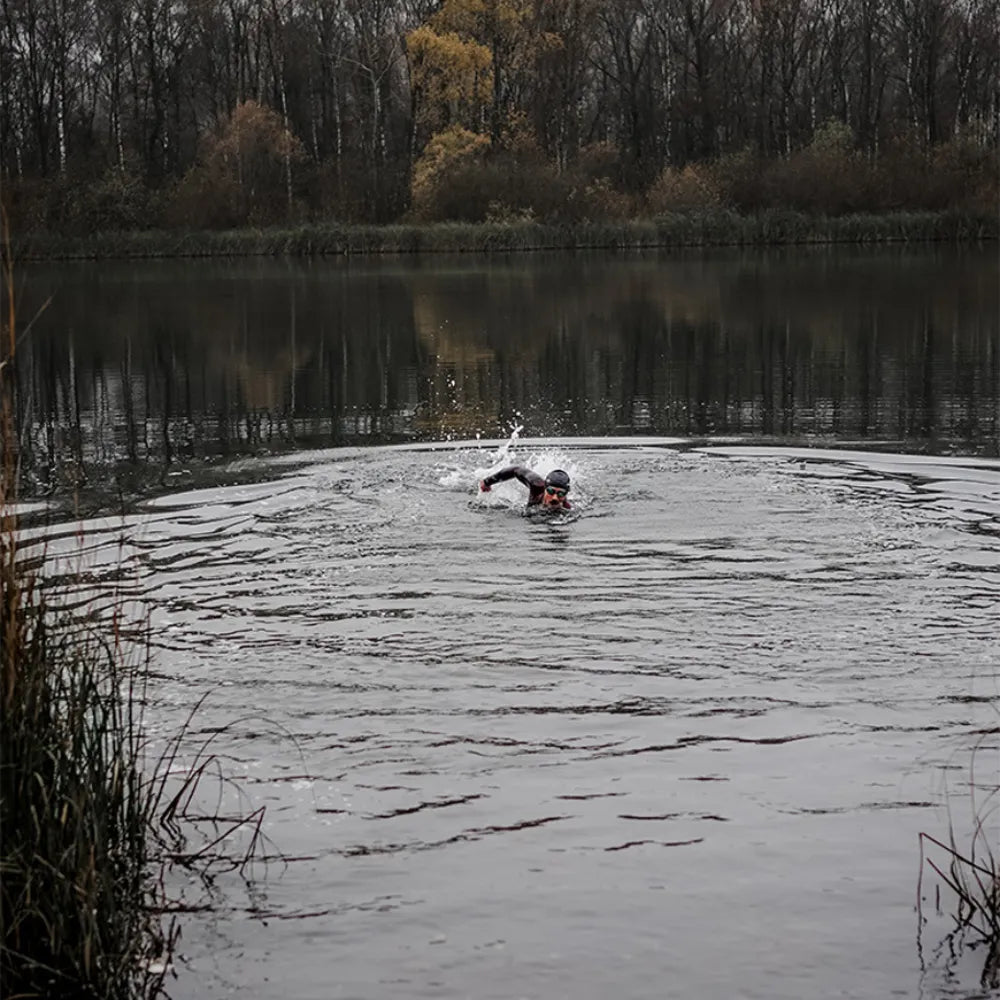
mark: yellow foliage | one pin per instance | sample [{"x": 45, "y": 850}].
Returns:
[
  {"x": 509, "y": 38},
  {"x": 484, "y": 20},
  {"x": 448, "y": 150},
  {"x": 518, "y": 135},
  {"x": 450, "y": 75},
  {"x": 550, "y": 42}
]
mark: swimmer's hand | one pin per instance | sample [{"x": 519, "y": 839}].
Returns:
[{"x": 484, "y": 487}]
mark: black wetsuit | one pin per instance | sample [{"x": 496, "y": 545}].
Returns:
[{"x": 530, "y": 478}]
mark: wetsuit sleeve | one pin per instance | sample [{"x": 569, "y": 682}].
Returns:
[{"x": 529, "y": 477}]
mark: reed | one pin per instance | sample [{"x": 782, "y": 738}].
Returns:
[
  {"x": 969, "y": 867},
  {"x": 79, "y": 900},
  {"x": 693, "y": 227},
  {"x": 90, "y": 824},
  {"x": 79, "y": 903}
]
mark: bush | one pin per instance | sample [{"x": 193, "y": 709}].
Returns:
[
  {"x": 828, "y": 177},
  {"x": 241, "y": 177},
  {"x": 444, "y": 164},
  {"x": 966, "y": 176},
  {"x": 462, "y": 178},
  {"x": 603, "y": 203},
  {"x": 204, "y": 199},
  {"x": 693, "y": 187},
  {"x": 118, "y": 201},
  {"x": 738, "y": 177},
  {"x": 598, "y": 161}
]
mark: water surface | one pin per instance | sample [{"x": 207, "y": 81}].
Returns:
[
  {"x": 139, "y": 373},
  {"x": 679, "y": 742}
]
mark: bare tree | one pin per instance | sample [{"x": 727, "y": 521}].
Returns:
[
  {"x": 562, "y": 104},
  {"x": 624, "y": 60},
  {"x": 131, "y": 85},
  {"x": 921, "y": 29}
]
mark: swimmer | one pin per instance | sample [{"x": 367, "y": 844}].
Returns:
[{"x": 550, "y": 492}]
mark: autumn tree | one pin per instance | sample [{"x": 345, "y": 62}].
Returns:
[
  {"x": 242, "y": 174},
  {"x": 499, "y": 30},
  {"x": 448, "y": 154},
  {"x": 450, "y": 80}
]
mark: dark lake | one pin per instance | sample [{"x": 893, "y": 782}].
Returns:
[
  {"x": 680, "y": 741},
  {"x": 151, "y": 367}
]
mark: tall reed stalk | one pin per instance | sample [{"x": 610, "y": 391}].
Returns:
[
  {"x": 969, "y": 867},
  {"x": 78, "y": 896}
]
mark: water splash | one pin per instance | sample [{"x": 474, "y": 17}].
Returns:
[
  {"x": 471, "y": 468},
  {"x": 505, "y": 453},
  {"x": 473, "y": 465}
]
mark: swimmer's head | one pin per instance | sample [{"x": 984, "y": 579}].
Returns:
[
  {"x": 556, "y": 488},
  {"x": 558, "y": 478}
]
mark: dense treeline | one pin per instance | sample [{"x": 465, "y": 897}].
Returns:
[{"x": 127, "y": 113}]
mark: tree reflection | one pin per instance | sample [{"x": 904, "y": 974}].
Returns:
[{"x": 175, "y": 363}]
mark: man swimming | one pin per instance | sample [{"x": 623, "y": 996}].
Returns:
[{"x": 550, "y": 492}]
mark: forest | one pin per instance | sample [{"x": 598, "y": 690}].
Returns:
[{"x": 199, "y": 114}]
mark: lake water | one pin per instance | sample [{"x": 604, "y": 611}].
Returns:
[
  {"x": 140, "y": 372},
  {"x": 680, "y": 741}
]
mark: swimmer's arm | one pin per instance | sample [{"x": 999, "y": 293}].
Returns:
[{"x": 529, "y": 477}]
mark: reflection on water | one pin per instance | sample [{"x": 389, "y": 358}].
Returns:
[
  {"x": 162, "y": 362},
  {"x": 682, "y": 745}
]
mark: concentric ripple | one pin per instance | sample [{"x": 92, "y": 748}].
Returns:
[{"x": 678, "y": 743}]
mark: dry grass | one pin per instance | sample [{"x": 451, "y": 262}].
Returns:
[{"x": 686, "y": 225}]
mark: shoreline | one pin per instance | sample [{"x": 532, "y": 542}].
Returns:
[{"x": 688, "y": 230}]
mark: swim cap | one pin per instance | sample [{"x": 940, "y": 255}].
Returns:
[{"x": 557, "y": 478}]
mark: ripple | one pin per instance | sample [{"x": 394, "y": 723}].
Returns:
[{"x": 769, "y": 657}]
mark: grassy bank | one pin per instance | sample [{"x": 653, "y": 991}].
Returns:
[
  {"x": 702, "y": 228},
  {"x": 92, "y": 824}
]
